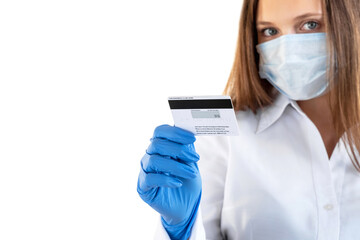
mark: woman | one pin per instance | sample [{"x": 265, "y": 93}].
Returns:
[{"x": 293, "y": 173}]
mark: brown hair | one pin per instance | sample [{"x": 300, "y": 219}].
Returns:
[{"x": 342, "y": 18}]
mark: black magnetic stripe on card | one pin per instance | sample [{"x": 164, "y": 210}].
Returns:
[{"x": 200, "y": 104}]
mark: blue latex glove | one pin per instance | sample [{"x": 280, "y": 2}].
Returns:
[{"x": 169, "y": 179}]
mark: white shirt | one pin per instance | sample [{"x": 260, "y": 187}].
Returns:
[{"x": 275, "y": 181}]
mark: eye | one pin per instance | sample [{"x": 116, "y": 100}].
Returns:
[
  {"x": 311, "y": 25},
  {"x": 269, "y": 32}
]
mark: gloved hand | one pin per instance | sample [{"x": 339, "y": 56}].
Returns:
[{"x": 169, "y": 179}]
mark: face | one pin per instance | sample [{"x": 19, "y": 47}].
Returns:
[{"x": 280, "y": 17}]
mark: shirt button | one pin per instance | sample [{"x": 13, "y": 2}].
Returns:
[{"x": 328, "y": 207}]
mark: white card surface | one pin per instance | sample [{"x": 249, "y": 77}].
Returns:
[{"x": 205, "y": 115}]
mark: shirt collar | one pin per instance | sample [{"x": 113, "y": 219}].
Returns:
[{"x": 269, "y": 114}]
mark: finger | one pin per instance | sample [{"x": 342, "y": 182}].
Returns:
[
  {"x": 174, "y": 134},
  {"x": 148, "y": 181},
  {"x": 174, "y": 150},
  {"x": 159, "y": 164}
]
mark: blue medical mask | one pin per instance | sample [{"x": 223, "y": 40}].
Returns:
[{"x": 295, "y": 64}]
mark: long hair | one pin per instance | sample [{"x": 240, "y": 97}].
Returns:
[{"x": 342, "y": 20}]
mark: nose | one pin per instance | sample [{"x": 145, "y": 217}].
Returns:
[{"x": 287, "y": 30}]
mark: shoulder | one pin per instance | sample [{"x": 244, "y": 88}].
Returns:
[{"x": 247, "y": 122}]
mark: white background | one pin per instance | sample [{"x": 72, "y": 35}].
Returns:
[{"x": 82, "y": 86}]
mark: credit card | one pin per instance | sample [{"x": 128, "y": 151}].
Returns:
[{"x": 204, "y": 115}]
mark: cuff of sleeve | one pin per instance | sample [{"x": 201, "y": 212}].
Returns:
[{"x": 197, "y": 231}]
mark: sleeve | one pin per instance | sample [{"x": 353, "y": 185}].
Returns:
[
  {"x": 213, "y": 153},
  {"x": 197, "y": 231}
]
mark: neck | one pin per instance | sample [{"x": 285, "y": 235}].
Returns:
[
  {"x": 319, "y": 112},
  {"x": 317, "y": 109}
]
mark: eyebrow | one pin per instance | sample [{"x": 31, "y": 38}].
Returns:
[{"x": 306, "y": 15}]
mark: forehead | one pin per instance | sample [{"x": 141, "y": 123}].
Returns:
[{"x": 275, "y": 10}]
